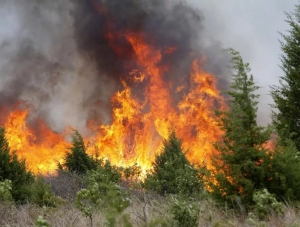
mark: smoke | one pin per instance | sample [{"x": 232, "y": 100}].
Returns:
[{"x": 56, "y": 57}]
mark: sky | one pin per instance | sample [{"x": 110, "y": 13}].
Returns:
[{"x": 252, "y": 28}]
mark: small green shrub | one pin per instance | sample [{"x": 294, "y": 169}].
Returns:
[
  {"x": 266, "y": 204},
  {"x": 5, "y": 190},
  {"x": 185, "y": 212},
  {"x": 42, "y": 194},
  {"x": 105, "y": 173},
  {"x": 103, "y": 194},
  {"x": 131, "y": 173},
  {"x": 41, "y": 222}
]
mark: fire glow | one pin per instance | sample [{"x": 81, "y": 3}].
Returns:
[{"x": 143, "y": 112}]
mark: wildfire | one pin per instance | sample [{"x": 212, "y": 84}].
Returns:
[
  {"x": 41, "y": 149},
  {"x": 139, "y": 124}
]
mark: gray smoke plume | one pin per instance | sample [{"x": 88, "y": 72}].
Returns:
[{"x": 55, "y": 55}]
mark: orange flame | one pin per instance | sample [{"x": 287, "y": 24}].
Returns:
[
  {"x": 138, "y": 127},
  {"x": 42, "y": 154}
]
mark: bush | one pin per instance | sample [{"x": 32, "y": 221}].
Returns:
[
  {"x": 42, "y": 194},
  {"x": 106, "y": 173},
  {"x": 266, "y": 204},
  {"x": 77, "y": 160},
  {"x": 41, "y": 222},
  {"x": 5, "y": 191},
  {"x": 284, "y": 173},
  {"x": 131, "y": 173},
  {"x": 172, "y": 173},
  {"x": 14, "y": 170},
  {"x": 185, "y": 212},
  {"x": 102, "y": 193}
]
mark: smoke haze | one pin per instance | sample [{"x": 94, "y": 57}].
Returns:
[{"x": 56, "y": 57}]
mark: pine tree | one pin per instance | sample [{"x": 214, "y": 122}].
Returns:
[
  {"x": 240, "y": 166},
  {"x": 284, "y": 173},
  {"x": 287, "y": 96},
  {"x": 13, "y": 169},
  {"x": 172, "y": 172},
  {"x": 77, "y": 160}
]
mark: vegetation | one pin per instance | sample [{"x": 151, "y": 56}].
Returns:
[
  {"x": 77, "y": 160},
  {"x": 241, "y": 165},
  {"x": 5, "y": 191},
  {"x": 284, "y": 173},
  {"x": 42, "y": 195},
  {"x": 266, "y": 204},
  {"x": 172, "y": 173},
  {"x": 185, "y": 212},
  {"x": 11, "y": 168},
  {"x": 262, "y": 183},
  {"x": 286, "y": 96},
  {"x": 102, "y": 192}
]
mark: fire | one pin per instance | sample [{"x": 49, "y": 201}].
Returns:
[
  {"x": 41, "y": 152},
  {"x": 138, "y": 127},
  {"x": 139, "y": 122}
]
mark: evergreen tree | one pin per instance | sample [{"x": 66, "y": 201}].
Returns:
[
  {"x": 284, "y": 173},
  {"x": 241, "y": 165},
  {"x": 287, "y": 95},
  {"x": 77, "y": 160},
  {"x": 13, "y": 169},
  {"x": 172, "y": 173}
]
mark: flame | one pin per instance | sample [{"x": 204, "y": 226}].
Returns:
[
  {"x": 139, "y": 124},
  {"x": 138, "y": 127},
  {"x": 41, "y": 152}
]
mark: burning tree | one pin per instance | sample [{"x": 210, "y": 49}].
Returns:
[{"x": 241, "y": 166}]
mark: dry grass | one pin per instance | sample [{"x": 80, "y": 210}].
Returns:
[{"x": 143, "y": 209}]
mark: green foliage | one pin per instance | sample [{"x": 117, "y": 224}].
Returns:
[
  {"x": 13, "y": 169},
  {"x": 284, "y": 174},
  {"x": 242, "y": 163},
  {"x": 266, "y": 204},
  {"x": 77, "y": 160},
  {"x": 185, "y": 212},
  {"x": 103, "y": 194},
  {"x": 41, "y": 222},
  {"x": 286, "y": 96},
  {"x": 172, "y": 173},
  {"x": 106, "y": 172},
  {"x": 5, "y": 190},
  {"x": 42, "y": 194},
  {"x": 131, "y": 173},
  {"x": 253, "y": 220}
]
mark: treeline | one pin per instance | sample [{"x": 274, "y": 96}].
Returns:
[{"x": 245, "y": 173}]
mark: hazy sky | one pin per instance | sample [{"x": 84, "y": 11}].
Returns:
[{"x": 251, "y": 27}]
